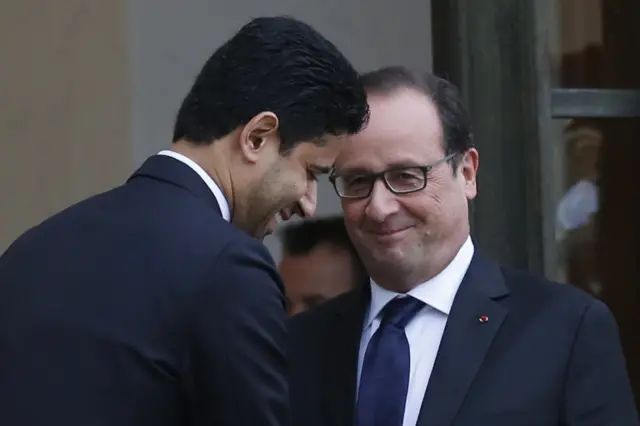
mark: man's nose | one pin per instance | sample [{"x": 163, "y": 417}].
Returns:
[
  {"x": 381, "y": 203},
  {"x": 306, "y": 206}
]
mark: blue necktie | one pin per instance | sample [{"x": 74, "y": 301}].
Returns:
[{"x": 384, "y": 379}]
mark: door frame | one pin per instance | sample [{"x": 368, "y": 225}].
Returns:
[{"x": 487, "y": 49}]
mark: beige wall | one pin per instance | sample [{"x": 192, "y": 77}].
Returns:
[
  {"x": 89, "y": 88},
  {"x": 64, "y": 106}
]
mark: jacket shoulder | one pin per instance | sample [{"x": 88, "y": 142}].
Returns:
[{"x": 535, "y": 291}]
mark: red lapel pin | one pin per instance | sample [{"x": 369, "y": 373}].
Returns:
[{"x": 483, "y": 319}]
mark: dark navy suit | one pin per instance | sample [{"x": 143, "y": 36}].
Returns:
[
  {"x": 517, "y": 350},
  {"x": 142, "y": 307}
]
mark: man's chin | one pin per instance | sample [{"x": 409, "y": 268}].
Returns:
[
  {"x": 265, "y": 234},
  {"x": 387, "y": 251},
  {"x": 271, "y": 226},
  {"x": 265, "y": 229}
]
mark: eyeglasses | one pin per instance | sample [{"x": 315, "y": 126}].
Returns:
[{"x": 402, "y": 180}]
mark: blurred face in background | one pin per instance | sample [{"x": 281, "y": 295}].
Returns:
[{"x": 320, "y": 275}]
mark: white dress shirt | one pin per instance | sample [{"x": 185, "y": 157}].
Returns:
[
  {"x": 217, "y": 192},
  {"x": 425, "y": 330}
]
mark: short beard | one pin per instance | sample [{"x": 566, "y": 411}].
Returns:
[{"x": 262, "y": 202}]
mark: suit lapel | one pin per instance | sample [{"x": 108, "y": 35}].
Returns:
[
  {"x": 340, "y": 374},
  {"x": 475, "y": 318}
]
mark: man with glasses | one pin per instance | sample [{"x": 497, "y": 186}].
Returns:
[{"x": 443, "y": 335}]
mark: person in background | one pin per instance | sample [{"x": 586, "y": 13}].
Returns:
[
  {"x": 318, "y": 263},
  {"x": 578, "y": 209},
  {"x": 442, "y": 335},
  {"x": 156, "y": 303}
]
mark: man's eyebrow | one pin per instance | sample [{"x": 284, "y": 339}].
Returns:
[
  {"x": 403, "y": 165},
  {"x": 321, "y": 170},
  {"x": 314, "y": 299},
  {"x": 352, "y": 171},
  {"x": 364, "y": 171}
]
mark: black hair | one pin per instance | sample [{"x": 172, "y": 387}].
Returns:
[
  {"x": 301, "y": 238},
  {"x": 456, "y": 123},
  {"x": 276, "y": 64}
]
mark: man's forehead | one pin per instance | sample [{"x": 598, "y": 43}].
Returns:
[
  {"x": 389, "y": 154},
  {"x": 403, "y": 128},
  {"x": 403, "y": 105}
]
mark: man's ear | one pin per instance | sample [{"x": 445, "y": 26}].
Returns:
[
  {"x": 258, "y": 134},
  {"x": 469, "y": 170}
]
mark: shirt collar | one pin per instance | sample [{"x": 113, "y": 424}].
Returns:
[
  {"x": 438, "y": 292},
  {"x": 217, "y": 192}
]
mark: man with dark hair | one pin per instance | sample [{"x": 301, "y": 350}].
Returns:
[
  {"x": 319, "y": 263},
  {"x": 155, "y": 303},
  {"x": 442, "y": 335}
]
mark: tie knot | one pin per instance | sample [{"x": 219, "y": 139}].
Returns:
[{"x": 401, "y": 310}]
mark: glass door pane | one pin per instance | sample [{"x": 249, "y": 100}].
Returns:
[{"x": 597, "y": 200}]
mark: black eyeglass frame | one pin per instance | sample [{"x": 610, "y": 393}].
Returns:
[{"x": 382, "y": 175}]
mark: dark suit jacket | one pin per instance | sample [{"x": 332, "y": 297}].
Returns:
[
  {"x": 549, "y": 354},
  {"x": 142, "y": 307}
]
